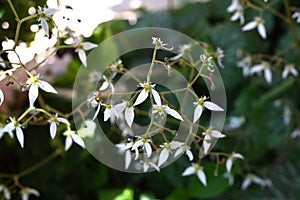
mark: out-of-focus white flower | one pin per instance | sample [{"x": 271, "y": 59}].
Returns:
[
  {"x": 230, "y": 160},
  {"x": 196, "y": 169},
  {"x": 6, "y": 192},
  {"x": 230, "y": 178},
  {"x": 259, "y": 23},
  {"x": 108, "y": 83},
  {"x": 286, "y": 114},
  {"x": 147, "y": 164},
  {"x": 72, "y": 136},
  {"x": 15, "y": 125},
  {"x": 289, "y": 69},
  {"x": 251, "y": 178},
  {"x": 84, "y": 46},
  {"x": 235, "y": 122},
  {"x": 184, "y": 149},
  {"x": 45, "y": 14},
  {"x": 159, "y": 44},
  {"x": 163, "y": 110},
  {"x": 239, "y": 14},
  {"x": 220, "y": 55},
  {"x": 296, "y": 16},
  {"x": 147, "y": 88},
  {"x": 34, "y": 83},
  {"x": 125, "y": 148},
  {"x": 167, "y": 148},
  {"x": 182, "y": 50},
  {"x": 295, "y": 134},
  {"x": 54, "y": 121},
  {"x": 209, "y": 135},
  {"x": 245, "y": 63},
  {"x": 201, "y": 104},
  {"x": 26, "y": 192},
  {"x": 144, "y": 143},
  {"x": 1, "y": 97},
  {"x": 95, "y": 102},
  {"x": 235, "y": 5},
  {"x": 263, "y": 66},
  {"x": 207, "y": 62},
  {"x": 110, "y": 113}
]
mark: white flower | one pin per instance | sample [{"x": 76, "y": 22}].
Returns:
[
  {"x": 14, "y": 125},
  {"x": 147, "y": 88},
  {"x": 289, "y": 69},
  {"x": 108, "y": 83},
  {"x": 163, "y": 110},
  {"x": 72, "y": 136},
  {"x": 144, "y": 143},
  {"x": 125, "y": 148},
  {"x": 110, "y": 112},
  {"x": 235, "y": 122},
  {"x": 259, "y": 23},
  {"x": 54, "y": 121},
  {"x": 245, "y": 63},
  {"x": 239, "y": 14},
  {"x": 230, "y": 178},
  {"x": 183, "y": 49},
  {"x": 201, "y": 104},
  {"x": 196, "y": 169},
  {"x": 165, "y": 152},
  {"x": 6, "y": 192},
  {"x": 129, "y": 111},
  {"x": 263, "y": 66},
  {"x": 230, "y": 160},
  {"x": 184, "y": 149},
  {"x": 295, "y": 134},
  {"x": 34, "y": 83},
  {"x": 251, "y": 178},
  {"x": 207, "y": 62},
  {"x": 85, "y": 46},
  {"x": 159, "y": 44},
  {"x": 286, "y": 114},
  {"x": 220, "y": 55},
  {"x": 296, "y": 16},
  {"x": 235, "y": 5},
  {"x": 45, "y": 13},
  {"x": 209, "y": 135},
  {"x": 26, "y": 192},
  {"x": 1, "y": 97},
  {"x": 147, "y": 164}
]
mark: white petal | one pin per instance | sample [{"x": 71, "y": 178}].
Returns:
[
  {"x": 107, "y": 113},
  {"x": 285, "y": 73},
  {"x": 189, "y": 154},
  {"x": 201, "y": 176},
  {"x": 82, "y": 57},
  {"x": 197, "y": 113},
  {"x": 178, "y": 152},
  {"x": 6, "y": 192},
  {"x": 154, "y": 166},
  {"x": 189, "y": 171},
  {"x": 148, "y": 149},
  {"x": 127, "y": 159},
  {"x": 78, "y": 140},
  {"x": 46, "y": 87},
  {"x": 1, "y": 97},
  {"x": 156, "y": 97},
  {"x": 251, "y": 25},
  {"x": 25, "y": 196},
  {"x": 104, "y": 86},
  {"x": 206, "y": 143},
  {"x": 129, "y": 115},
  {"x": 294, "y": 72},
  {"x": 217, "y": 134},
  {"x": 33, "y": 191},
  {"x": 262, "y": 31},
  {"x": 120, "y": 107},
  {"x": 53, "y": 129},
  {"x": 268, "y": 75},
  {"x": 229, "y": 164},
  {"x": 145, "y": 167},
  {"x": 68, "y": 143},
  {"x": 45, "y": 27},
  {"x": 237, "y": 155},
  {"x": 137, "y": 144},
  {"x": 50, "y": 11},
  {"x": 256, "y": 68},
  {"x": 33, "y": 94},
  {"x": 212, "y": 106},
  {"x": 246, "y": 183},
  {"x": 97, "y": 111},
  {"x": 235, "y": 16},
  {"x": 20, "y": 136},
  {"x": 173, "y": 113},
  {"x": 88, "y": 45},
  {"x": 163, "y": 157},
  {"x": 141, "y": 98},
  {"x": 63, "y": 120}
]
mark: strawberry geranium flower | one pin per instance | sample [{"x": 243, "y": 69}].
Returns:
[
  {"x": 163, "y": 110},
  {"x": 54, "y": 121},
  {"x": 263, "y": 66},
  {"x": 72, "y": 136},
  {"x": 45, "y": 14},
  {"x": 147, "y": 88},
  {"x": 259, "y": 23},
  {"x": 201, "y": 104},
  {"x": 196, "y": 169},
  {"x": 209, "y": 135},
  {"x": 84, "y": 46},
  {"x": 230, "y": 160},
  {"x": 15, "y": 125},
  {"x": 26, "y": 192}
]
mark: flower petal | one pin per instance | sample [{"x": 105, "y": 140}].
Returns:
[
  {"x": 217, "y": 134},
  {"x": 82, "y": 57},
  {"x": 189, "y": 154},
  {"x": 148, "y": 149},
  {"x": 20, "y": 136},
  {"x": 156, "y": 97},
  {"x": 197, "y": 113},
  {"x": 97, "y": 111},
  {"x": 46, "y": 87},
  {"x": 173, "y": 113},
  {"x": 104, "y": 86},
  {"x": 141, "y": 98},
  {"x": 246, "y": 183},
  {"x": 33, "y": 94},
  {"x": 251, "y": 25},
  {"x": 201, "y": 176},
  {"x": 63, "y": 120},
  {"x": 33, "y": 191},
  {"x": 212, "y": 106},
  {"x": 163, "y": 157},
  {"x": 77, "y": 139},
  {"x": 228, "y": 164},
  {"x": 127, "y": 159},
  {"x": 1, "y": 97},
  {"x": 50, "y": 11},
  {"x": 262, "y": 31},
  {"x": 188, "y": 171},
  {"x": 68, "y": 143},
  {"x": 268, "y": 75},
  {"x": 206, "y": 143},
  {"x": 129, "y": 115},
  {"x": 45, "y": 27},
  {"x": 53, "y": 128},
  {"x": 88, "y": 45},
  {"x": 178, "y": 152}
]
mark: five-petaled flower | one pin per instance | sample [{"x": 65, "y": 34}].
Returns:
[
  {"x": 147, "y": 88},
  {"x": 167, "y": 148},
  {"x": 54, "y": 121},
  {"x": 163, "y": 110},
  {"x": 6, "y": 192},
  {"x": 34, "y": 83},
  {"x": 230, "y": 160},
  {"x": 259, "y": 23},
  {"x": 72, "y": 136},
  {"x": 289, "y": 69},
  {"x": 26, "y": 192},
  {"x": 144, "y": 143},
  {"x": 45, "y": 14},
  {"x": 196, "y": 169},
  {"x": 201, "y": 104},
  {"x": 107, "y": 83},
  {"x": 263, "y": 66},
  {"x": 209, "y": 135},
  {"x": 81, "y": 48},
  {"x": 159, "y": 44},
  {"x": 15, "y": 125}
]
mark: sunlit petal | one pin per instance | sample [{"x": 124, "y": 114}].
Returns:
[
  {"x": 251, "y": 25},
  {"x": 201, "y": 176},
  {"x": 53, "y": 128},
  {"x": 262, "y": 30},
  {"x": 148, "y": 149},
  {"x": 129, "y": 115},
  {"x": 77, "y": 139},
  {"x": 82, "y": 57},
  {"x": 68, "y": 143},
  {"x": 189, "y": 171},
  {"x": 173, "y": 113},
  {"x": 46, "y": 87},
  {"x": 163, "y": 157},
  {"x": 20, "y": 136},
  {"x": 229, "y": 164},
  {"x": 156, "y": 97},
  {"x": 212, "y": 106},
  {"x": 33, "y": 94},
  {"x": 141, "y": 98}
]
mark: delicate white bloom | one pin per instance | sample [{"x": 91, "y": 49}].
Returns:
[
  {"x": 263, "y": 66},
  {"x": 159, "y": 44},
  {"x": 72, "y": 136},
  {"x": 207, "y": 62},
  {"x": 95, "y": 102},
  {"x": 295, "y": 134},
  {"x": 235, "y": 122},
  {"x": 110, "y": 113},
  {"x": 259, "y": 23},
  {"x": 45, "y": 14},
  {"x": 166, "y": 150},
  {"x": 1, "y": 97},
  {"x": 54, "y": 121},
  {"x": 15, "y": 125},
  {"x": 287, "y": 114},
  {"x": 184, "y": 149},
  {"x": 209, "y": 135},
  {"x": 129, "y": 111},
  {"x": 289, "y": 69},
  {"x": 245, "y": 63},
  {"x": 125, "y": 148},
  {"x": 26, "y": 192},
  {"x": 296, "y": 16},
  {"x": 163, "y": 110},
  {"x": 85, "y": 46},
  {"x": 196, "y": 169},
  {"x": 147, "y": 88},
  {"x": 6, "y": 192},
  {"x": 235, "y": 5},
  {"x": 201, "y": 104},
  {"x": 230, "y": 160},
  {"x": 239, "y": 14},
  {"x": 183, "y": 49},
  {"x": 144, "y": 143},
  {"x": 108, "y": 83},
  {"x": 34, "y": 83},
  {"x": 230, "y": 178},
  {"x": 251, "y": 178},
  {"x": 147, "y": 164},
  {"x": 220, "y": 55}
]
